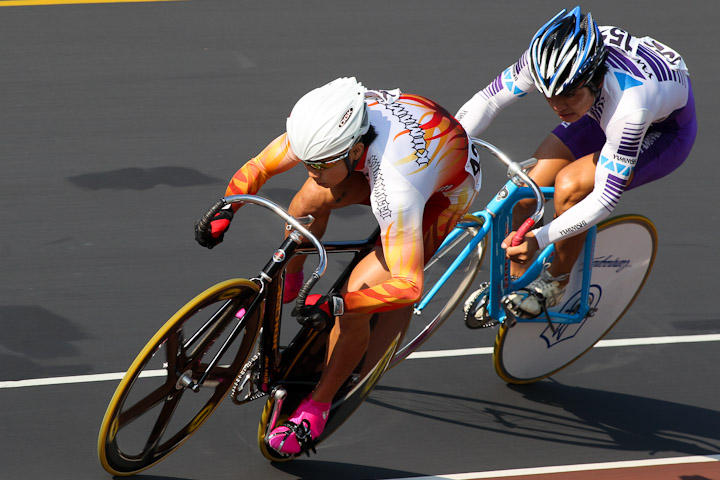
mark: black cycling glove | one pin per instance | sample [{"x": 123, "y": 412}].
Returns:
[
  {"x": 319, "y": 311},
  {"x": 211, "y": 236}
]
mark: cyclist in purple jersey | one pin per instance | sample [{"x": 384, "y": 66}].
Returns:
[{"x": 628, "y": 118}]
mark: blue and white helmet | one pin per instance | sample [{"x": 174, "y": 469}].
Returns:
[{"x": 565, "y": 52}]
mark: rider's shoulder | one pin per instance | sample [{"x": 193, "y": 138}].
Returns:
[{"x": 382, "y": 96}]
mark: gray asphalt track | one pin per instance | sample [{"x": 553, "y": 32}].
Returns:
[{"x": 121, "y": 123}]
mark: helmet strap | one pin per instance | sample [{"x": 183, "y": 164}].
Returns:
[{"x": 350, "y": 164}]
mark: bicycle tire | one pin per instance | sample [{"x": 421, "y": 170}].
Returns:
[
  {"x": 301, "y": 365},
  {"x": 453, "y": 292},
  {"x": 149, "y": 397},
  {"x": 625, "y": 249}
]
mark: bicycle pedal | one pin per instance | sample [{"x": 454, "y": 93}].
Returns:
[{"x": 510, "y": 317}]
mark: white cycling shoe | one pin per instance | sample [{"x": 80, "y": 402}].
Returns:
[{"x": 542, "y": 293}]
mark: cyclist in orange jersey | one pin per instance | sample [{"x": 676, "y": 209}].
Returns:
[{"x": 413, "y": 163}]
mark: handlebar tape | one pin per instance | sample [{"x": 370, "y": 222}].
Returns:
[
  {"x": 204, "y": 222},
  {"x": 522, "y": 231},
  {"x": 305, "y": 290}
]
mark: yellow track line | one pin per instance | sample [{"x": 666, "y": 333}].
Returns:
[{"x": 26, "y": 3}]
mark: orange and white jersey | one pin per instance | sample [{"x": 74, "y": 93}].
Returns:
[{"x": 423, "y": 177}]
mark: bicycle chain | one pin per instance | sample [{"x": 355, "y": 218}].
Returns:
[{"x": 236, "y": 384}]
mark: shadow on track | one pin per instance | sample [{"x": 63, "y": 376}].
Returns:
[
  {"x": 135, "y": 178},
  {"x": 38, "y": 343},
  {"x": 156, "y": 477},
  {"x": 570, "y": 415},
  {"x": 319, "y": 470}
]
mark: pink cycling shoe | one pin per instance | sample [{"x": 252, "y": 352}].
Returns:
[
  {"x": 298, "y": 433},
  {"x": 293, "y": 283}
]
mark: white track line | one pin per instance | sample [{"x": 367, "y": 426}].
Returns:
[
  {"x": 627, "y": 342},
  {"x": 572, "y": 468}
]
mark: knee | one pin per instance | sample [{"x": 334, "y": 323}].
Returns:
[{"x": 568, "y": 191}]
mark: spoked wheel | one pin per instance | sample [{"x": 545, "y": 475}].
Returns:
[
  {"x": 450, "y": 295},
  {"x": 625, "y": 250},
  {"x": 156, "y": 406}
]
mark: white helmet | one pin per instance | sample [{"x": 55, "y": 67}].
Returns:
[{"x": 329, "y": 120}]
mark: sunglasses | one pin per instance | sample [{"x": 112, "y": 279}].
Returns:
[{"x": 324, "y": 165}]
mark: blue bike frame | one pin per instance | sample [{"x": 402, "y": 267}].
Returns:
[{"x": 497, "y": 221}]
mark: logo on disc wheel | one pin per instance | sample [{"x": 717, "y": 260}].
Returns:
[{"x": 567, "y": 331}]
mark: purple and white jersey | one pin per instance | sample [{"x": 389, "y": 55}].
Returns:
[{"x": 645, "y": 83}]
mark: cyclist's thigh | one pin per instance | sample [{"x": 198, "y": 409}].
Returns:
[
  {"x": 442, "y": 212},
  {"x": 370, "y": 271},
  {"x": 666, "y": 145},
  {"x": 553, "y": 155},
  {"x": 662, "y": 153},
  {"x": 566, "y": 143},
  {"x": 580, "y": 138}
]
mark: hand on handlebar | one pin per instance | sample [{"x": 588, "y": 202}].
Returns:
[
  {"x": 215, "y": 231},
  {"x": 522, "y": 253},
  {"x": 317, "y": 311}
]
